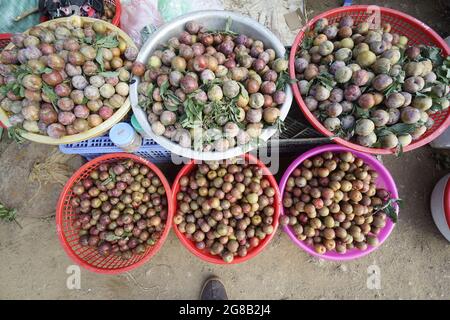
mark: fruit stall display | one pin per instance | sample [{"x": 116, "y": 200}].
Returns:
[{"x": 211, "y": 86}]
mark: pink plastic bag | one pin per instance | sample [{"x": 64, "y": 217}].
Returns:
[{"x": 140, "y": 18}]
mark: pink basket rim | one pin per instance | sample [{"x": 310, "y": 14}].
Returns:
[{"x": 384, "y": 176}]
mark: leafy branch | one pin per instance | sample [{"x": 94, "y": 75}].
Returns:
[
  {"x": 193, "y": 113},
  {"x": 443, "y": 71},
  {"x": 432, "y": 53},
  {"x": 8, "y": 214},
  {"x": 390, "y": 208},
  {"x": 226, "y": 31},
  {"x": 399, "y": 150},
  {"x": 397, "y": 129},
  {"x": 111, "y": 178},
  {"x": 346, "y": 133},
  {"x": 284, "y": 80},
  {"x": 280, "y": 125},
  {"x": 326, "y": 80},
  {"x": 307, "y": 43},
  {"x": 15, "y": 134},
  {"x": 51, "y": 95},
  {"x": 169, "y": 97},
  {"x": 149, "y": 97},
  {"x": 396, "y": 85},
  {"x": 108, "y": 42},
  {"x": 16, "y": 87}
]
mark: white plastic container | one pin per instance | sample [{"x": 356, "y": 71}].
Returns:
[
  {"x": 125, "y": 137},
  {"x": 442, "y": 141},
  {"x": 440, "y": 206}
]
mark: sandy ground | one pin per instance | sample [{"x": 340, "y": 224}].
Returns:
[{"x": 414, "y": 262}]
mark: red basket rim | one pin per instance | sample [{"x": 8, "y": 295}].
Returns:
[
  {"x": 202, "y": 254},
  {"x": 316, "y": 123},
  {"x": 5, "y": 36},
  {"x": 447, "y": 202},
  {"x": 60, "y": 212},
  {"x": 115, "y": 20}
]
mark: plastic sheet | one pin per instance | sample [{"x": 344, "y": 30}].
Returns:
[
  {"x": 171, "y": 9},
  {"x": 139, "y": 19}
]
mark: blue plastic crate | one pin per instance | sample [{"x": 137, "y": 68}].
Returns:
[{"x": 96, "y": 147}]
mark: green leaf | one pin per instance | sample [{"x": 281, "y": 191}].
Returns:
[
  {"x": 326, "y": 80},
  {"x": 109, "y": 41},
  {"x": 244, "y": 91},
  {"x": 51, "y": 95},
  {"x": 85, "y": 100},
  {"x": 227, "y": 30},
  {"x": 396, "y": 85},
  {"x": 99, "y": 59},
  {"x": 45, "y": 70},
  {"x": 436, "y": 108},
  {"x": 208, "y": 84},
  {"x": 163, "y": 88},
  {"x": 7, "y": 214},
  {"x": 307, "y": 43},
  {"x": 171, "y": 99},
  {"x": 280, "y": 125},
  {"x": 432, "y": 53},
  {"x": 228, "y": 24},
  {"x": 397, "y": 129},
  {"x": 421, "y": 94},
  {"x": 193, "y": 113},
  {"x": 399, "y": 150},
  {"x": 15, "y": 133},
  {"x": 283, "y": 80},
  {"x": 112, "y": 237},
  {"x": 390, "y": 208},
  {"x": 4, "y": 90},
  {"x": 403, "y": 57},
  {"x": 443, "y": 71},
  {"x": 150, "y": 90},
  {"x": 109, "y": 74},
  {"x": 360, "y": 112}
]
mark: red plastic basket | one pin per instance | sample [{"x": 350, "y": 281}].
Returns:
[
  {"x": 88, "y": 257},
  {"x": 115, "y": 20},
  {"x": 204, "y": 254},
  {"x": 5, "y": 39},
  {"x": 417, "y": 33}
]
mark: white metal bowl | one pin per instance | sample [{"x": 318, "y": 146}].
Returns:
[
  {"x": 213, "y": 20},
  {"x": 439, "y": 207}
]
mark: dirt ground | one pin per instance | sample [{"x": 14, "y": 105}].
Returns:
[{"x": 414, "y": 262}]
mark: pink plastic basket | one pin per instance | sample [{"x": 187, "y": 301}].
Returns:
[{"x": 385, "y": 180}]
